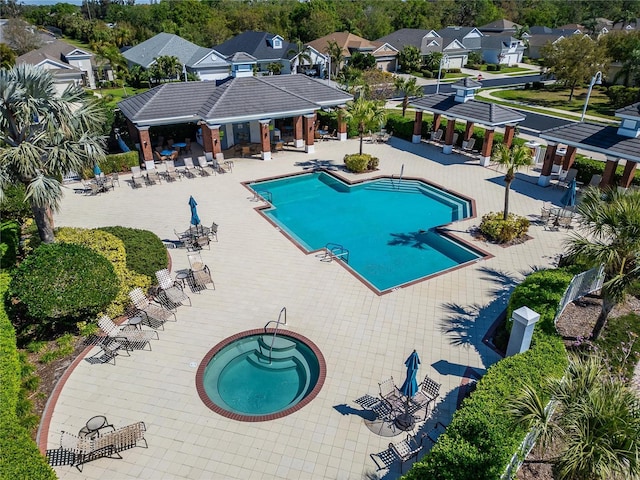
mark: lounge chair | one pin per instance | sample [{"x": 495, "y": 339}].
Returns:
[
  {"x": 201, "y": 166},
  {"x": 109, "y": 350},
  {"x": 189, "y": 167},
  {"x": 200, "y": 275},
  {"x": 109, "y": 445},
  {"x": 129, "y": 339},
  {"x": 172, "y": 174},
  {"x": 170, "y": 290},
  {"x": 221, "y": 165},
  {"x": 155, "y": 315},
  {"x": 136, "y": 177}
]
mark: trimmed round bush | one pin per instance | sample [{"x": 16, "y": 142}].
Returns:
[
  {"x": 146, "y": 254},
  {"x": 59, "y": 284},
  {"x": 361, "y": 163},
  {"x": 112, "y": 249},
  {"x": 496, "y": 229}
]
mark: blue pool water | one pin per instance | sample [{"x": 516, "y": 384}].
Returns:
[
  {"x": 241, "y": 379},
  {"x": 388, "y": 227}
]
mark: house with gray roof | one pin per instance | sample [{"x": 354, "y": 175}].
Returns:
[
  {"x": 428, "y": 41},
  {"x": 206, "y": 63},
  {"x": 502, "y": 49},
  {"x": 242, "y": 110},
  {"x": 266, "y": 48},
  {"x": 499, "y": 26}
]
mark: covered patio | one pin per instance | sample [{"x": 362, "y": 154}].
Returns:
[
  {"x": 462, "y": 106},
  {"x": 242, "y": 112},
  {"x": 617, "y": 143}
]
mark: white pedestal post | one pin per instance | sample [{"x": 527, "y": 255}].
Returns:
[{"x": 524, "y": 320}]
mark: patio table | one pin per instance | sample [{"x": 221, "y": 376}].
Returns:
[
  {"x": 165, "y": 153},
  {"x": 180, "y": 145}
]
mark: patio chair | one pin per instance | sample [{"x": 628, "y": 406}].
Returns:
[
  {"x": 129, "y": 339},
  {"x": 171, "y": 173},
  {"x": 407, "y": 449},
  {"x": 595, "y": 180},
  {"x": 454, "y": 142},
  {"x": 468, "y": 145},
  {"x": 154, "y": 313},
  {"x": 390, "y": 393},
  {"x": 114, "y": 178},
  {"x": 189, "y": 167},
  {"x": 427, "y": 393},
  {"x": 185, "y": 239},
  {"x": 200, "y": 275},
  {"x": 545, "y": 217},
  {"x": 437, "y": 135},
  {"x": 136, "y": 177},
  {"x": 171, "y": 290},
  {"x": 213, "y": 231},
  {"x": 566, "y": 180}
]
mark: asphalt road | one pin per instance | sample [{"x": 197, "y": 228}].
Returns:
[{"x": 533, "y": 124}]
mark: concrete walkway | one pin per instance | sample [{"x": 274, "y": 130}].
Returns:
[{"x": 364, "y": 337}]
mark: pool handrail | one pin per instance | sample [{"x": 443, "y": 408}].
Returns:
[{"x": 275, "y": 331}]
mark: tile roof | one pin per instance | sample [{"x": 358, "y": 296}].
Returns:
[
  {"x": 595, "y": 138},
  {"x": 476, "y": 111},
  {"x": 163, "y": 44},
  {"x": 239, "y": 99},
  {"x": 632, "y": 110},
  {"x": 256, "y": 44},
  {"x": 455, "y": 32},
  {"x": 405, "y": 36},
  {"x": 345, "y": 40},
  {"x": 499, "y": 25},
  {"x": 55, "y": 51},
  {"x": 241, "y": 57}
]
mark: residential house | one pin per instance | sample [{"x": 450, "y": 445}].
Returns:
[
  {"x": 68, "y": 64},
  {"x": 265, "y": 48},
  {"x": 384, "y": 53},
  {"x": 502, "y": 49},
  {"x": 541, "y": 36},
  {"x": 310, "y": 62},
  {"x": 499, "y": 26},
  {"x": 206, "y": 63}
]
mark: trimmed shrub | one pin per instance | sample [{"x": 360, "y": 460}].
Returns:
[
  {"x": 492, "y": 67},
  {"x": 360, "y": 163},
  {"x": 622, "y": 96},
  {"x": 10, "y": 237},
  {"x": 587, "y": 167},
  {"x": 20, "y": 456},
  {"x": 117, "y": 162},
  {"x": 454, "y": 70},
  {"x": 537, "y": 85},
  {"x": 14, "y": 206},
  {"x": 427, "y": 73},
  {"x": 112, "y": 249},
  {"x": 146, "y": 254},
  {"x": 59, "y": 284},
  {"x": 496, "y": 229}
]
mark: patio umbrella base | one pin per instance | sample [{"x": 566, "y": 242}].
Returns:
[{"x": 406, "y": 421}]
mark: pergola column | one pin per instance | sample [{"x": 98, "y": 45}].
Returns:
[
  {"x": 133, "y": 132},
  {"x": 417, "y": 127},
  {"x": 342, "y": 125},
  {"x": 211, "y": 139},
  {"x": 544, "y": 180},
  {"x": 487, "y": 146},
  {"x": 437, "y": 118},
  {"x": 298, "y": 140},
  {"x": 308, "y": 124},
  {"x": 145, "y": 143},
  {"x": 509, "y": 133},
  {"x": 609, "y": 172},
  {"x": 447, "y": 148},
  {"x": 265, "y": 141},
  {"x": 468, "y": 133},
  {"x": 627, "y": 176},
  {"x": 569, "y": 158}
]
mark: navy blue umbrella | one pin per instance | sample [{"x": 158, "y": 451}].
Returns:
[
  {"x": 569, "y": 197},
  {"x": 410, "y": 386},
  {"x": 195, "y": 219}
]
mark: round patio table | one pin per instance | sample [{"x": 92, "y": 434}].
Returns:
[{"x": 166, "y": 152}]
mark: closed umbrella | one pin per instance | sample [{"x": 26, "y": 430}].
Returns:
[
  {"x": 409, "y": 389},
  {"x": 96, "y": 170},
  {"x": 195, "y": 219},
  {"x": 569, "y": 197}
]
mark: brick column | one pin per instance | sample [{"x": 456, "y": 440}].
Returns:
[
  {"x": 298, "y": 139},
  {"x": 417, "y": 127},
  {"x": 609, "y": 171},
  {"x": 569, "y": 158},
  {"x": 545, "y": 175},
  {"x": 487, "y": 146},
  {"x": 627, "y": 176},
  {"x": 207, "y": 139},
  {"x": 308, "y": 127},
  {"x": 447, "y": 148},
  {"x": 468, "y": 131},
  {"x": 342, "y": 125},
  {"x": 145, "y": 143},
  {"x": 509, "y": 133},
  {"x": 437, "y": 117},
  {"x": 265, "y": 140},
  {"x": 133, "y": 132}
]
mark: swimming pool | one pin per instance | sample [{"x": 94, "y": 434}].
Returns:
[{"x": 389, "y": 227}]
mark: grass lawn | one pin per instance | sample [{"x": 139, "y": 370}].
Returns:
[
  {"x": 503, "y": 69},
  {"x": 115, "y": 95},
  {"x": 558, "y": 97}
]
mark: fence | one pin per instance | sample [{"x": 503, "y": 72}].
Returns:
[{"x": 582, "y": 284}]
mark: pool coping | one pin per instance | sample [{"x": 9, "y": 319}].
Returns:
[
  {"x": 322, "y": 375},
  {"x": 442, "y": 229}
]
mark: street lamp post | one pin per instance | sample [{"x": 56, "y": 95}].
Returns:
[
  {"x": 596, "y": 80},
  {"x": 444, "y": 59}
]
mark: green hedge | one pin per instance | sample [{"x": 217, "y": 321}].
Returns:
[
  {"x": 58, "y": 285},
  {"x": 360, "y": 163},
  {"x": 10, "y": 243},
  {"x": 587, "y": 168},
  {"x": 117, "y": 162},
  {"x": 402, "y": 127},
  {"x": 481, "y": 438},
  {"x": 19, "y": 455},
  {"x": 146, "y": 254}
]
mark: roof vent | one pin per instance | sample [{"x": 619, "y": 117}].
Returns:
[{"x": 465, "y": 90}]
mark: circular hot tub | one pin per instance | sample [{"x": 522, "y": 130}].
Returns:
[{"x": 254, "y": 376}]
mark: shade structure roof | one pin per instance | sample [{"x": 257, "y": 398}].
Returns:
[
  {"x": 595, "y": 138},
  {"x": 475, "y": 111},
  {"x": 237, "y": 100}
]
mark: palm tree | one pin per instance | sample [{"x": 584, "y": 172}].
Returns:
[
  {"x": 335, "y": 53},
  {"x": 409, "y": 88},
  {"x": 512, "y": 159},
  {"x": 366, "y": 114},
  {"x": 611, "y": 236},
  {"x": 589, "y": 417},
  {"x": 45, "y": 135}
]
